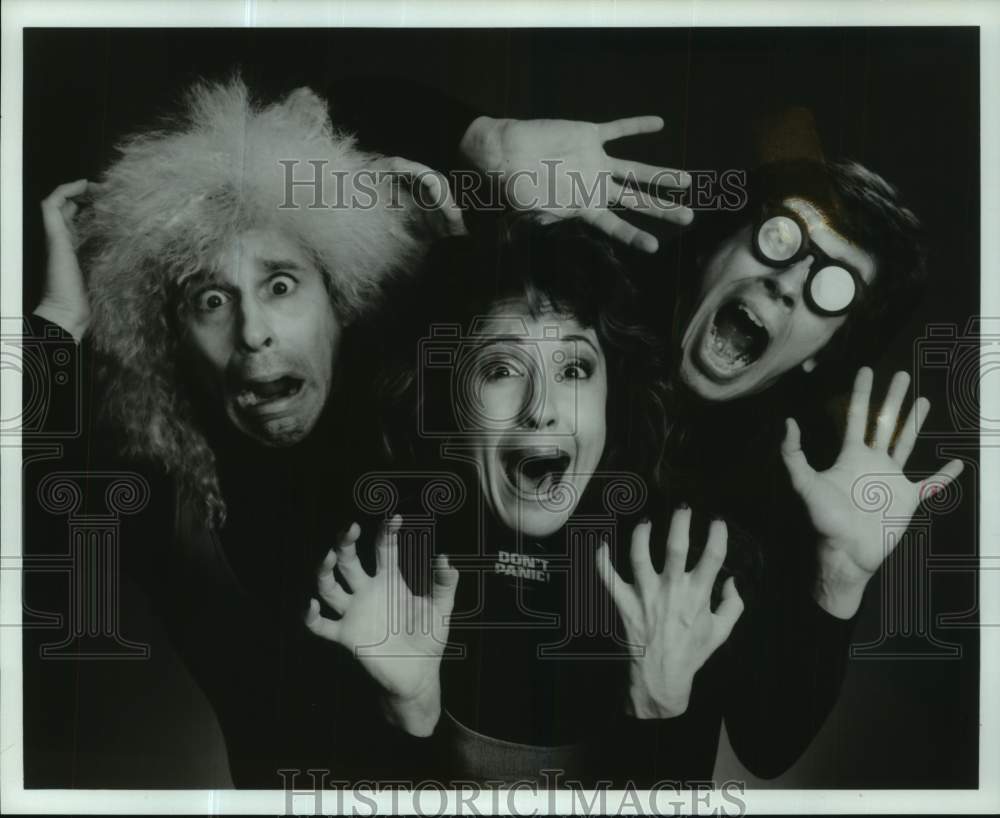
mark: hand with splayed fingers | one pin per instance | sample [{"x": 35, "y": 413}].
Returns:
[
  {"x": 668, "y": 616},
  {"x": 559, "y": 168},
  {"x": 855, "y": 536},
  {"x": 396, "y": 636}
]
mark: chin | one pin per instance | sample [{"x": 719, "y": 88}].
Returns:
[
  {"x": 276, "y": 432},
  {"x": 711, "y": 391},
  {"x": 531, "y": 488},
  {"x": 705, "y": 387},
  {"x": 539, "y": 522}
]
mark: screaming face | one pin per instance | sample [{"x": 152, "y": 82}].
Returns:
[
  {"x": 751, "y": 324},
  {"x": 539, "y": 390},
  {"x": 264, "y": 336}
]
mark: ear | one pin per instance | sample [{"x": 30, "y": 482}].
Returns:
[{"x": 808, "y": 365}]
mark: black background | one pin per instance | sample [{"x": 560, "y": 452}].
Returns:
[{"x": 904, "y": 101}]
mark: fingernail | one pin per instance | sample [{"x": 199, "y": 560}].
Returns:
[{"x": 683, "y": 506}]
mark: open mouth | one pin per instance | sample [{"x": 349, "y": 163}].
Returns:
[
  {"x": 535, "y": 471},
  {"x": 251, "y": 394},
  {"x": 736, "y": 338}
]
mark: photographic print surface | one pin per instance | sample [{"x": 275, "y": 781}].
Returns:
[{"x": 500, "y": 407}]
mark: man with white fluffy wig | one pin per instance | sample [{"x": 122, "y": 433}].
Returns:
[
  {"x": 203, "y": 243},
  {"x": 218, "y": 289}
]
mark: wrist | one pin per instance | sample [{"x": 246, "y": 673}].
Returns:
[
  {"x": 72, "y": 321},
  {"x": 840, "y": 584},
  {"x": 642, "y": 703},
  {"x": 840, "y": 601},
  {"x": 418, "y": 714}
]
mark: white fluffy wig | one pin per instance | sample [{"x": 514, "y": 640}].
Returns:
[{"x": 171, "y": 204}]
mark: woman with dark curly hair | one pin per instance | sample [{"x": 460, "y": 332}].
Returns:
[{"x": 535, "y": 402}]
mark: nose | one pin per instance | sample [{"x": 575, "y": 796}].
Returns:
[
  {"x": 255, "y": 328},
  {"x": 786, "y": 284},
  {"x": 544, "y": 409}
]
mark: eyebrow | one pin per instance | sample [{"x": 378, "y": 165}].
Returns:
[
  {"x": 578, "y": 337},
  {"x": 852, "y": 249},
  {"x": 211, "y": 277},
  {"x": 201, "y": 278},
  {"x": 524, "y": 339},
  {"x": 281, "y": 265},
  {"x": 824, "y": 218}
]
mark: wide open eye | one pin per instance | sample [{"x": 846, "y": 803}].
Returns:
[
  {"x": 832, "y": 289},
  {"x": 577, "y": 370},
  {"x": 281, "y": 284},
  {"x": 499, "y": 368},
  {"x": 492, "y": 387},
  {"x": 779, "y": 238},
  {"x": 211, "y": 300}
]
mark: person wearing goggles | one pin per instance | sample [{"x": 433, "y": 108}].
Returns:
[
  {"x": 820, "y": 246},
  {"x": 781, "y": 239}
]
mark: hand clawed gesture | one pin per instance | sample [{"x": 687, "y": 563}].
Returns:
[
  {"x": 853, "y": 539},
  {"x": 396, "y": 636},
  {"x": 668, "y": 616}
]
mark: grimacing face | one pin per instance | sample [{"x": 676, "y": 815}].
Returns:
[
  {"x": 264, "y": 336},
  {"x": 540, "y": 386},
  {"x": 760, "y": 311}
]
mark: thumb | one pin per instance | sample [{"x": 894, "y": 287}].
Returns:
[
  {"x": 799, "y": 470},
  {"x": 432, "y": 196},
  {"x": 445, "y": 582},
  {"x": 729, "y": 611}
]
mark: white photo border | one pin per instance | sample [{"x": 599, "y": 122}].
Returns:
[{"x": 20, "y": 14}]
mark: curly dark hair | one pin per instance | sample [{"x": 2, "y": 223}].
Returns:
[{"x": 563, "y": 267}]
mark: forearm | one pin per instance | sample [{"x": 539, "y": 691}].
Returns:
[
  {"x": 409, "y": 744},
  {"x": 642, "y": 752},
  {"x": 402, "y": 118},
  {"x": 792, "y": 661}
]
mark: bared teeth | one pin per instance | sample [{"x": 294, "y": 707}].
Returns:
[
  {"x": 737, "y": 337},
  {"x": 247, "y": 399},
  {"x": 751, "y": 316}
]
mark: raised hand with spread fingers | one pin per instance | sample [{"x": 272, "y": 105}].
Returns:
[
  {"x": 861, "y": 506},
  {"x": 668, "y": 616},
  {"x": 396, "y": 636},
  {"x": 559, "y": 168}
]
